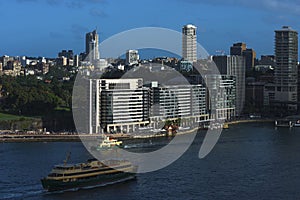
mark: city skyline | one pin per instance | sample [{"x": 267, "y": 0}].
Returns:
[{"x": 37, "y": 31}]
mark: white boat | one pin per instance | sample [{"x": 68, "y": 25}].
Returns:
[
  {"x": 107, "y": 143},
  {"x": 297, "y": 124},
  {"x": 184, "y": 128}
]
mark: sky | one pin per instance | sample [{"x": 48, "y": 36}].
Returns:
[{"x": 45, "y": 27}]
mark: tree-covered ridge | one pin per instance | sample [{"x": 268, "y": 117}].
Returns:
[{"x": 27, "y": 95}]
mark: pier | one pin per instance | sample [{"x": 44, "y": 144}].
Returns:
[{"x": 289, "y": 122}]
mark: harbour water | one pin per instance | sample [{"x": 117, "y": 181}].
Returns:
[{"x": 250, "y": 161}]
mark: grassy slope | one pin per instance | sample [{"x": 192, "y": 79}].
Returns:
[{"x": 11, "y": 117}]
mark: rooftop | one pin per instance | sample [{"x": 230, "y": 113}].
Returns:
[
  {"x": 286, "y": 28},
  {"x": 190, "y": 26}
]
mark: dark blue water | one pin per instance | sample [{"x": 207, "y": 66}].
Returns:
[{"x": 250, "y": 161}]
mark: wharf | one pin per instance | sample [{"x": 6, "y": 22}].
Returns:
[
  {"x": 38, "y": 138},
  {"x": 58, "y": 137},
  {"x": 290, "y": 121},
  {"x": 250, "y": 121}
]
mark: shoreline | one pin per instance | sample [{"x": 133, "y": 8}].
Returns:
[
  {"x": 16, "y": 138},
  {"x": 250, "y": 121}
]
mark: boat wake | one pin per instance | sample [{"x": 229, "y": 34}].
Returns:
[
  {"x": 144, "y": 145},
  {"x": 25, "y": 194},
  {"x": 38, "y": 191}
]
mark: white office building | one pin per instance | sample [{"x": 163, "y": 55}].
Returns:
[
  {"x": 117, "y": 105},
  {"x": 92, "y": 46},
  {"x": 178, "y": 101},
  {"x": 132, "y": 57},
  {"x": 125, "y": 105},
  {"x": 189, "y": 43}
]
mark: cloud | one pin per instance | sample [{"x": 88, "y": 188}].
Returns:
[
  {"x": 96, "y": 1},
  {"x": 26, "y": 1},
  {"x": 97, "y": 13},
  {"x": 80, "y": 3},
  {"x": 282, "y": 6},
  {"x": 277, "y": 19},
  {"x": 288, "y": 6},
  {"x": 76, "y": 4},
  {"x": 53, "y": 2}
]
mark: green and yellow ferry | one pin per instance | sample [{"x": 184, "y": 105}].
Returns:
[{"x": 91, "y": 174}]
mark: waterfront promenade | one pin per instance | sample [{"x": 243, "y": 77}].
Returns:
[{"x": 10, "y": 136}]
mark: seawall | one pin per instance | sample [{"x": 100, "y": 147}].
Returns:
[{"x": 77, "y": 138}]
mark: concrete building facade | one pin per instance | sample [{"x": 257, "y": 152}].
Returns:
[
  {"x": 117, "y": 105},
  {"x": 132, "y": 57},
  {"x": 177, "y": 101},
  {"x": 221, "y": 96},
  {"x": 125, "y": 105},
  {"x": 92, "y": 46},
  {"x": 286, "y": 72},
  {"x": 189, "y": 43},
  {"x": 240, "y": 49},
  {"x": 235, "y": 66}
]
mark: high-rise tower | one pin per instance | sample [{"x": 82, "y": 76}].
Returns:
[
  {"x": 286, "y": 53},
  {"x": 234, "y": 65},
  {"x": 92, "y": 46},
  {"x": 189, "y": 43},
  {"x": 240, "y": 49}
]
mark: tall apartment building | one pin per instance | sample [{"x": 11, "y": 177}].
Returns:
[
  {"x": 286, "y": 74},
  {"x": 250, "y": 56},
  {"x": 267, "y": 60},
  {"x": 66, "y": 53},
  {"x": 132, "y": 57},
  {"x": 92, "y": 46},
  {"x": 240, "y": 49},
  {"x": 189, "y": 43},
  {"x": 62, "y": 61},
  {"x": 221, "y": 96},
  {"x": 235, "y": 66},
  {"x": 177, "y": 101}
]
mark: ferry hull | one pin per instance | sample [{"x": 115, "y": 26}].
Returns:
[{"x": 100, "y": 180}]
